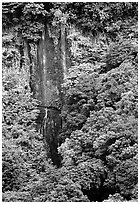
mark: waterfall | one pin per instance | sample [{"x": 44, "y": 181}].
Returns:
[{"x": 49, "y": 70}]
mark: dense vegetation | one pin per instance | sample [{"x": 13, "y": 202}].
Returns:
[{"x": 98, "y": 143}]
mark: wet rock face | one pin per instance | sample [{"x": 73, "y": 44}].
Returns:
[
  {"x": 52, "y": 125},
  {"x": 49, "y": 60},
  {"x": 49, "y": 124}
]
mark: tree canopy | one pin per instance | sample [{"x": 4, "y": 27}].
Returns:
[{"x": 98, "y": 142}]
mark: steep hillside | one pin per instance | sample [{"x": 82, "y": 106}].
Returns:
[{"x": 70, "y": 102}]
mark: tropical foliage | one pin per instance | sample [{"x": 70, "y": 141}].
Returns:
[{"x": 98, "y": 143}]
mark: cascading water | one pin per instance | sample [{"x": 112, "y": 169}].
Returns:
[{"x": 49, "y": 71}]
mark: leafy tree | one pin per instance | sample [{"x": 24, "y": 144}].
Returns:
[
  {"x": 98, "y": 17},
  {"x": 106, "y": 137},
  {"x": 98, "y": 141},
  {"x": 109, "y": 131},
  {"x": 23, "y": 152}
]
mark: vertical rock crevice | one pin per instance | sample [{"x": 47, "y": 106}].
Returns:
[{"x": 47, "y": 73}]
